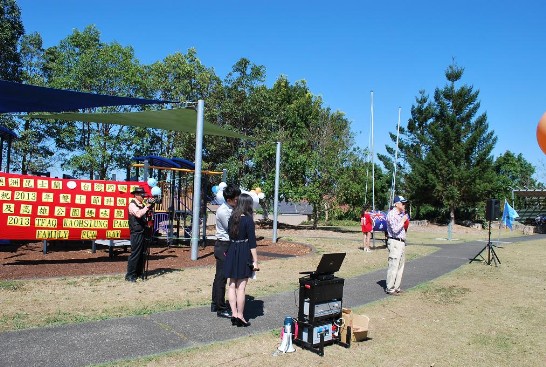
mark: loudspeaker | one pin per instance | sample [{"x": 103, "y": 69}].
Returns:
[
  {"x": 286, "y": 344},
  {"x": 492, "y": 209}
]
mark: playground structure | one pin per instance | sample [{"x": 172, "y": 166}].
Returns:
[{"x": 173, "y": 213}]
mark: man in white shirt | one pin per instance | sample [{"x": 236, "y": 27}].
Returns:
[
  {"x": 396, "y": 243},
  {"x": 223, "y": 213}
]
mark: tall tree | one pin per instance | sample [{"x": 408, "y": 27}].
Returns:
[
  {"x": 514, "y": 172},
  {"x": 82, "y": 62},
  {"x": 11, "y": 30},
  {"x": 34, "y": 148},
  {"x": 182, "y": 77},
  {"x": 448, "y": 146}
]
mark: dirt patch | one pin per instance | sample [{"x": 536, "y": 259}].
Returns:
[{"x": 73, "y": 258}]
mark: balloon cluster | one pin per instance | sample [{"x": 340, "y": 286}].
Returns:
[
  {"x": 256, "y": 193},
  {"x": 156, "y": 190}
]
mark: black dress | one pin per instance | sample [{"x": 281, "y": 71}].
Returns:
[{"x": 238, "y": 258}]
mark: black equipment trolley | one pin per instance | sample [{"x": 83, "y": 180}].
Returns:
[{"x": 320, "y": 306}]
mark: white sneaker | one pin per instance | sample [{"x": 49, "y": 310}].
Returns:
[{"x": 367, "y": 249}]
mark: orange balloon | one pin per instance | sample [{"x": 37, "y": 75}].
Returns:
[{"x": 541, "y": 133}]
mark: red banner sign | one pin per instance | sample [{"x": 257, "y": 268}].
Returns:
[{"x": 43, "y": 208}]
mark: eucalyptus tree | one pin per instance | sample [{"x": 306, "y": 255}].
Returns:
[
  {"x": 11, "y": 31},
  {"x": 314, "y": 142},
  {"x": 182, "y": 77},
  {"x": 514, "y": 172},
  {"x": 84, "y": 63},
  {"x": 34, "y": 147},
  {"x": 355, "y": 185}
]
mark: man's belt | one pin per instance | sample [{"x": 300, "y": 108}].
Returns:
[{"x": 398, "y": 239}]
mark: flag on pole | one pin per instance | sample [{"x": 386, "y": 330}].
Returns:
[{"x": 508, "y": 215}]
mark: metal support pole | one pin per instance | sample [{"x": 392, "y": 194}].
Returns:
[
  {"x": 197, "y": 180},
  {"x": 146, "y": 169},
  {"x": 276, "y": 199}
]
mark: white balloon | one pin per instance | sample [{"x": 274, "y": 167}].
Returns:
[
  {"x": 156, "y": 191},
  {"x": 254, "y": 196},
  {"x": 255, "y": 199},
  {"x": 220, "y": 196},
  {"x": 222, "y": 185}
]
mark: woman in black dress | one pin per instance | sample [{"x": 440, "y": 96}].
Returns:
[{"x": 241, "y": 258}]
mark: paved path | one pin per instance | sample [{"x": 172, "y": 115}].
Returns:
[{"x": 130, "y": 337}]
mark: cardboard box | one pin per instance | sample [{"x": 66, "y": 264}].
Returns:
[{"x": 358, "y": 323}]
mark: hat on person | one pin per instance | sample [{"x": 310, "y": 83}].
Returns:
[
  {"x": 399, "y": 199},
  {"x": 139, "y": 191}
]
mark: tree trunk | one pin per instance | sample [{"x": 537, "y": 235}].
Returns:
[{"x": 315, "y": 216}]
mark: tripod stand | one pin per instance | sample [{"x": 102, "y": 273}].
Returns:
[{"x": 491, "y": 254}]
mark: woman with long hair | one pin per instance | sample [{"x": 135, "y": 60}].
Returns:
[{"x": 241, "y": 257}]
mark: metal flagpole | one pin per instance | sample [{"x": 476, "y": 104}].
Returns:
[
  {"x": 393, "y": 185},
  {"x": 195, "y": 232},
  {"x": 373, "y": 165},
  {"x": 276, "y": 199},
  {"x": 368, "y": 160}
]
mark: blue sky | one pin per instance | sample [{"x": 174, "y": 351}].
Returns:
[{"x": 344, "y": 50}]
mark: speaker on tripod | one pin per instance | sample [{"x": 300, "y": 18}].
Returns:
[
  {"x": 492, "y": 209},
  {"x": 492, "y": 212}
]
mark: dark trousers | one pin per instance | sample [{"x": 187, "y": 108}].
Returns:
[
  {"x": 135, "y": 264},
  {"x": 219, "y": 284}
]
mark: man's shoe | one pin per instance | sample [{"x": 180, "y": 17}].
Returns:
[
  {"x": 213, "y": 308},
  {"x": 130, "y": 279},
  {"x": 399, "y": 291},
  {"x": 224, "y": 313},
  {"x": 393, "y": 293}
]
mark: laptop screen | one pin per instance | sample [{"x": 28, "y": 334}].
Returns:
[{"x": 330, "y": 263}]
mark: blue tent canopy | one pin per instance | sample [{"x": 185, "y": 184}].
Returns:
[
  {"x": 17, "y": 97},
  {"x": 158, "y": 161},
  {"x": 184, "y": 163}
]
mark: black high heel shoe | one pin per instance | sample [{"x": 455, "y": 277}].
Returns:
[
  {"x": 242, "y": 323},
  {"x": 234, "y": 321}
]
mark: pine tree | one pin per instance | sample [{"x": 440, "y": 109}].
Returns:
[{"x": 448, "y": 147}]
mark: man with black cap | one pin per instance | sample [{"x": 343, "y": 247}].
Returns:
[
  {"x": 396, "y": 243},
  {"x": 137, "y": 228}
]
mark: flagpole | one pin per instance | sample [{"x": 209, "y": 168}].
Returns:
[
  {"x": 373, "y": 166},
  {"x": 393, "y": 185}
]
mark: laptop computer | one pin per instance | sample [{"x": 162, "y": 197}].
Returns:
[{"x": 328, "y": 265}]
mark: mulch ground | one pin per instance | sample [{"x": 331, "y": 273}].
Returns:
[{"x": 74, "y": 258}]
